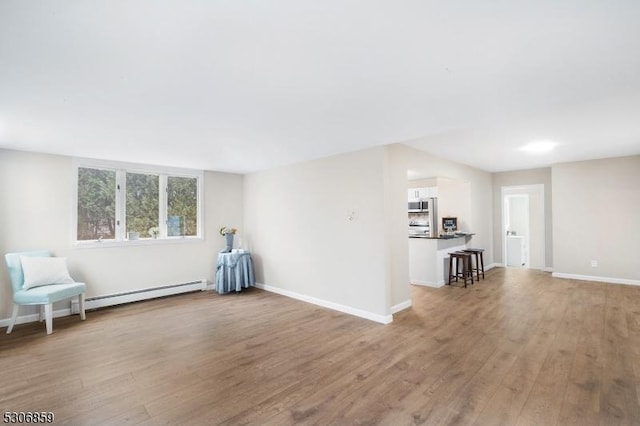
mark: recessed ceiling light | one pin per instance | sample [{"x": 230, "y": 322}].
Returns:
[{"x": 539, "y": 147}]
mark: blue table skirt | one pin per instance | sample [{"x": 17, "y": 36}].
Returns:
[{"x": 234, "y": 272}]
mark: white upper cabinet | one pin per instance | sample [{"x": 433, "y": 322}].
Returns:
[{"x": 418, "y": 194}]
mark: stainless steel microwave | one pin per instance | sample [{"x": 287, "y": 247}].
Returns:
[{"x": 418, "y": 206}]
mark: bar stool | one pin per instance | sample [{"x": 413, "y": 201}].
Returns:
[
  {"x": 479, "y": 264},
  {"x": 467, "y": 271}
]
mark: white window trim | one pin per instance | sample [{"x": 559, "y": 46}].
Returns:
[{"x": 163, "y": 172}]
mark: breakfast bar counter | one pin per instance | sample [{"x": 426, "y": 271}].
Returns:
[
  {"x": 442, "y": 237},
  {"x": 428, "y": 257}
]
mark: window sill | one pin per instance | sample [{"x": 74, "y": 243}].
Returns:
[{"x": 136, "y": 243}]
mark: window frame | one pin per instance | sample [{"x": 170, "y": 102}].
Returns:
[{"x": 121, "y": 169}]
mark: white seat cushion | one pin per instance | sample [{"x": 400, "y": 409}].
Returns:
[{"x": 48, "y": 294}]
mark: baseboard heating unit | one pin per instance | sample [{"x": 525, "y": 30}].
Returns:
[{"x": 138, "y": 295}]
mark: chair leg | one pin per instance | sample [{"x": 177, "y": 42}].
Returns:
[
  {"x": 48, "y": 313},
  {"x": 81, "y": 306},
  {"x": 14, "y": 316}
]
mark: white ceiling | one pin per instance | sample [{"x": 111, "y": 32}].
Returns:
[{"x": 248, "y": 85}]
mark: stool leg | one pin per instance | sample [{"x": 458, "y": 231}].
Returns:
[
  {"x": 482, "y": 263},
  {"x": 471, "y": 268},
  {"x": 465, "y": 271},
  {"x": 477, "y": 267},
  {"x": 450, "y": 268},
  {"x": 455, "y": 269}
]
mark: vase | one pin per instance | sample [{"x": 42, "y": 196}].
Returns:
[{"x": 228, "y": 240}]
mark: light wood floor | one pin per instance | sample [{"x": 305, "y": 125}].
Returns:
[{"x": 520, "y": 348}]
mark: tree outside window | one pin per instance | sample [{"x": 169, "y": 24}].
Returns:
[
  {"x": 182, "y": 204},
  {"x": 96, "y": 204},
  {"x": 142, "y": 204},
  {"x": 118, "y": 205}
]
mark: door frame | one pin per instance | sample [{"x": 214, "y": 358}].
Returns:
[{"x": 523, "y": 189}]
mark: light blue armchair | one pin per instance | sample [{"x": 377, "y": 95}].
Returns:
[{"x": 44, "y": 295}]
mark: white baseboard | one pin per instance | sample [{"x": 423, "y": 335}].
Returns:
[
  {"x": 383, "y": 319},
  {"x": 23, "y": 319},
  {"x": 112, "y": 300},
  {"x": 400, "y": 306},
  {"x": 501, "y": 265},
  {"x": 596, "y": 278},
  {"x": 427, "y": 283}
]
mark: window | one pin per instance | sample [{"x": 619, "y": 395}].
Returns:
[
  {"x": 96, "y": 204},
  {"x": 122, "y": 203},
  {"x": 182, "y": 196},
  {"x": 143, "y": 205}
]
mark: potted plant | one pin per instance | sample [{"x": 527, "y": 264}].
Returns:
[{"x": 154, "y": 232}]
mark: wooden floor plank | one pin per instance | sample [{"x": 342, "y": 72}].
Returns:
[
  {"x": 519, "y": 347},
  {"x": 618, "y": 397},
  {"x": 544, "y": 402},
  {"x": 582, "y": 398}
]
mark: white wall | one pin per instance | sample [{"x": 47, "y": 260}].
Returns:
[
  {"x": 596, "y": 211},
  {"x": 403, "y": 158},
  {"x": 540, "y": 176},
  {"x": 301, "y": 238},
  {"x": 296, "y": 223},
  {"x": 396, "y": 225},
  {"x": 454, "y": 200},
  {"x": 36, "y": 213}
]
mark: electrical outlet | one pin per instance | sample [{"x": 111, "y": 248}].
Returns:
[{"x": 594, "y": 263}]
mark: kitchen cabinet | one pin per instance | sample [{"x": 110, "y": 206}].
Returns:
[
  {"x": 420, "y": 194},
  {"x": 413, "y": 194}
]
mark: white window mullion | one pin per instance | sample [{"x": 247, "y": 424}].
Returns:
[
  {"x": 162, "y": 203},
  {"x": 121, "y": 205},
  {"x": 200, "y": 206}
]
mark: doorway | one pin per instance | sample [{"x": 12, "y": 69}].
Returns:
[
  {"x": 523, "y": 226},
  {"x": 517, "y": 235}
]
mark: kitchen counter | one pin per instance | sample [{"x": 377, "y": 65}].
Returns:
[
  {"x": 442, "y": 237},
  {"x": 429, "y": 258}
]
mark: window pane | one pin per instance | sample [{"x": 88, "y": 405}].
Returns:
[
  {"x": 182, "y": 205},
  {"x": 142, "y": 205},
  {"x": 96, "y": 204}
]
